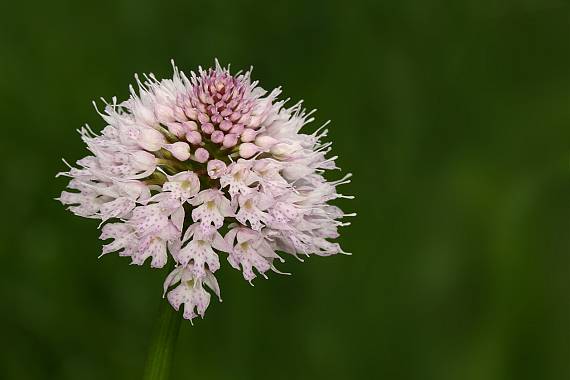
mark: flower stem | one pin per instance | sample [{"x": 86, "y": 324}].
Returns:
[{"x": 163, "y": 344}]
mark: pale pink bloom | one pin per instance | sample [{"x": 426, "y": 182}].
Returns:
[
  {"x": 238, "y": 178},
  {"x": 201, "y": 155},
  {"x": 186, "y": 158},
  {"x": 86, "y": 203},
  {"x": 194, "y": 137},
  {"x": 198, "y": 253},
  {"x": 252, "y": 209},
  {"x": 283, "y": 214},
  {"x": 128, "y": 243},
  {"x": 182, "y": 186},
  {"x": 271, "y": 182},
  {"x": 153, "y": 218},
  {"x": 251, "y": 250},
  {"x": 202, "y": 256},
  {"x": 227, "y": 103},
  {"x": 190, "y": 292},
  {"x": 248, "y": 150},
  {"x": 212, "y": 208}
]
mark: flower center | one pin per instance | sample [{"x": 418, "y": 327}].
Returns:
[{"x": 222, "y": 106}]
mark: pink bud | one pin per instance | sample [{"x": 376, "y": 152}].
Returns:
[
  {"x": 201, "y": 155},
  {"x": 254, "y": 122},
  {"x": 226, "y": 125},
  {"x": 237, "y": 129},
  {"x": 216, "y": 168},
  {"x": 217, "y": 118},
  {"x": 143, "y": 160},
  {"x": 151, "y": 139},
  {"x": 217, "y": 137},
  {"x": 179, "y": 114},
  {"x": 200, "y": 108},
  {"x": 244, "y": 119},
  {"x": 235, "y": 116},
  {"x": 190, "y": 125},
  {"x": 180, "y": 150},
  {"x": 163, "y": 113},
  {"x": 194, "y": 137},
  {"x": 203, "y": 118},
  {"x": 230, "y": 140},
  {"x": 248, "y": 135},
  {"x": 176, "y": 129},
  {"x": 191, "y": 113},
  {"x": 246, "y": 150},
  {"x": 208, "y": 128},
  {"x": 265, "y": 142}
]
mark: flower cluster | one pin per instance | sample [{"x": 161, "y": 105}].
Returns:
[{"x": 189, "y": 169}]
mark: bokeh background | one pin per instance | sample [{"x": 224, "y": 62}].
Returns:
[{"x": 454, "y": 117}]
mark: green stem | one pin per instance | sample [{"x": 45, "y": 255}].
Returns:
[{"x": 161, "y": 352}]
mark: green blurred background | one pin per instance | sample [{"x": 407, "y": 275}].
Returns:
[{"x": 454, "y": 118}]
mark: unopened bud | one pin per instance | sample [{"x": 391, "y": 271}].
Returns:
[
  {"x": 217, "y": 118},
  {"x": 143, "y": 160},
  {"x": 201, "y": 155},
  {"x": 265, "y": 142},
  {"x": 151, "y": 139},
  {"x": 176, "y": 129},
  {"x": 191, "y": 113},
  {"x": 248, "y": 135},
  {"x": 217, "y": 137},
  {"x": 203, "y": 118},
  {"x": 180, "y": 150},
  {"x": 163, "y": 113},
  {"x": 226, "y": 125},
  {"x": 230, "y": 140},
  {"x": 237, "y": 129},
  {"x": 282, "y": 149},
  {"x": 194, "y": 137},
  {"x": 235, "y": 116},
  {"x": 247, "y": 150},
  {"x": 190, "y": 125},
  {"x": 208, "y": 128},
  {"x": 254, "y": 122}
]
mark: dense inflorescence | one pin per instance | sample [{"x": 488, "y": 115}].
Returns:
[{"x": 189, "y": 169}]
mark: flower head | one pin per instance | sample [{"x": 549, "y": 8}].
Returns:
[{"x": 193, "y": 169}]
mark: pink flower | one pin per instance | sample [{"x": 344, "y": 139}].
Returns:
[
  {"x": 187, "y": 159},
  {"x": 213, "y": 208},
  {"x": 190, "y": 292},
  {"x": 251, "y": 250}
]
